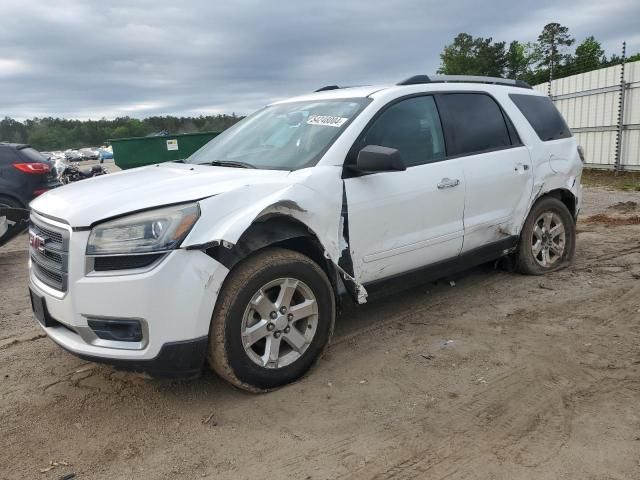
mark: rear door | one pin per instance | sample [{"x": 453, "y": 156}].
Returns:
[
  {"x": 497, "y": 166},
  {"x": 403, "y": 220}
]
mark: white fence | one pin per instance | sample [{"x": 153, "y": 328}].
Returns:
[{"x": 590, "y": 102}]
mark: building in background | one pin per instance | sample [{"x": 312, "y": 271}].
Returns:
[{"x": 602, "y": 108}]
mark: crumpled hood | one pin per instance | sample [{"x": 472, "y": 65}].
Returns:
[{"x": 85, "y": 202}]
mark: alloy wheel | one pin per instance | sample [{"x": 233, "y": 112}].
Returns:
[
  {"x": 548, "y": 240},
  {"x": 279, "y": 323}
]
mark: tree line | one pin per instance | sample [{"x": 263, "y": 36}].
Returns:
[
  {"x": 551, "y": 56},
  {"x": 58, "y": 133}
]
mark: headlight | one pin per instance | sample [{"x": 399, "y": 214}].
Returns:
[{"x": 152, "y": 231}]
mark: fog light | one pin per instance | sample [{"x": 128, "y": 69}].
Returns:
[{"x": 119, "y": 330}]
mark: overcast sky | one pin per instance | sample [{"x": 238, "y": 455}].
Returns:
[{"x": 93, "y": 59}]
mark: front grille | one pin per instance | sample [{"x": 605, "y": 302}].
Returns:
[{"x": 49, "y": 252}]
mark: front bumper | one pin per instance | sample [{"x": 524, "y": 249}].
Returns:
[
  {"x": 182, "y": 360},
  {"x": 173, "y": 300}
]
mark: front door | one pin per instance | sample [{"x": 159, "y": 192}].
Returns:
[{"x": 401, "y": 221}]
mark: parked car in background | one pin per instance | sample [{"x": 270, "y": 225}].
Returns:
[
  {"x": 73, "y": 155},
  {"x": 239, "y": 255},
  {"x": 89, "y": 154},
  {"x": 24, "y": 174},
  {"x": 54, "y": 155},
  {"x": 105, "y": 154}
]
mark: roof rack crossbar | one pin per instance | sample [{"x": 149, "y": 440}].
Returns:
[{"x": 419, "y": 79}]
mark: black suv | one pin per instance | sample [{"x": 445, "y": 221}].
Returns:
[{"x": 24, "y": 174}]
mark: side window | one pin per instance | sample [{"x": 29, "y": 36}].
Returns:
[
  {"x": 411, "y": 126},
  {"x": 474, "y": 123},
  {"x": 543, "y": 116}
]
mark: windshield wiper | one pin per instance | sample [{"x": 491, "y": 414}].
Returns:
[{"x": 230, "y": 163}]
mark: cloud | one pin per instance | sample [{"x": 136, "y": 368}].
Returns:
[
  {"x": 11, "y": 67},
  {"x": 103, "y": 59}
]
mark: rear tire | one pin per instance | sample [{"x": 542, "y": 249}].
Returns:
[
  {"x": 273, "y": 319},
  {"x": 548, "y": 238}
]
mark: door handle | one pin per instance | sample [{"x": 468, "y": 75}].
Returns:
[{"x": 448, "y": 183}]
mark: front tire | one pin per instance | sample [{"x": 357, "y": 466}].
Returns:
[
  {"x": 273, "y": 319},
  {"x": 548, "y": 238}
]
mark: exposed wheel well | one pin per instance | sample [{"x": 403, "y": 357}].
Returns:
[
  {"x": 566, "y": 197},
  {"x": 11, "y": 197},
  {"x": 278, "y": 231}
]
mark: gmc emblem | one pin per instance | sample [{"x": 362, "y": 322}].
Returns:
[{"x": 37, "y": 242}]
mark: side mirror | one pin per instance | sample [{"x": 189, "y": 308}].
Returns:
[{"x": 374, "y": 158}]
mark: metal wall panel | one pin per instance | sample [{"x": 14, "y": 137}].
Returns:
[
  {"x": 631, "y": 149},
  {"x": 589, "y": 102},
  {"x": 632, "y": 104},
  {"x": 599, "y": 147}
]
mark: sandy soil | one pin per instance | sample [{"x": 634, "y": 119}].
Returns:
[{"x": 499, "y": 376}]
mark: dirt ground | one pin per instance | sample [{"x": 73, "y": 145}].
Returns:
[{"x": 493, "y": 376}]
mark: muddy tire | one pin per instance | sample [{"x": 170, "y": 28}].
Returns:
[
  {"x": 548, "y": 238},
  {"x": 273, "y": 319}
]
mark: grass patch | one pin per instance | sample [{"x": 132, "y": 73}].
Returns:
[{"x": 628, "y": 181}]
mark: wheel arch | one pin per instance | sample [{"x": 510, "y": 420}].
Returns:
[
  {"x": 14, "y": 198},
  {"x": 278, "y": 230},
  {"x": 565, "y": 196},
  {"x": 525, "y": 260}
]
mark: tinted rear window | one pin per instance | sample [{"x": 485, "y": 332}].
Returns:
[
  {"x": 31, "y": 155},
  {"x": 474, "y": 123},
  {"x": 543, "y": 116}
]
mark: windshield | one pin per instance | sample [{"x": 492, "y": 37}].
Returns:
[{"x": 287, "y": 136}]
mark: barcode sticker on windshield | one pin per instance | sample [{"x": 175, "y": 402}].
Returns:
[{"x": 326, "y": 120}]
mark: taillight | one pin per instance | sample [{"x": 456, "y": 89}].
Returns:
[
  {"x": 581, "y": 153},
  {"x": 35, "y": 167},
  {"x": 40, "y": 191}
]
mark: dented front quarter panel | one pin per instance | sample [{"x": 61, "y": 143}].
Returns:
[{"x": 312, "y": 196}]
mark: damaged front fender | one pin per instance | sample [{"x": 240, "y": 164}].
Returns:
[{"x": 313, "y": 201}]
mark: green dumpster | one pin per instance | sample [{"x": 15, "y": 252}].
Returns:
[{"x": 139, "y": 151}]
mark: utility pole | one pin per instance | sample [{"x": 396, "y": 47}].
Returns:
[
  {"x": 619, "y": 137},
  {"x": 553, "y": 51}
]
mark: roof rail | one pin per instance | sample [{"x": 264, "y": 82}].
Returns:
[
  {"x": 328, "y": 87},
  {"x": 419, "y": 79}
]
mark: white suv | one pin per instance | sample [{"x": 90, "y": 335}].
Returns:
[{"x": 239, "y": 254}]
